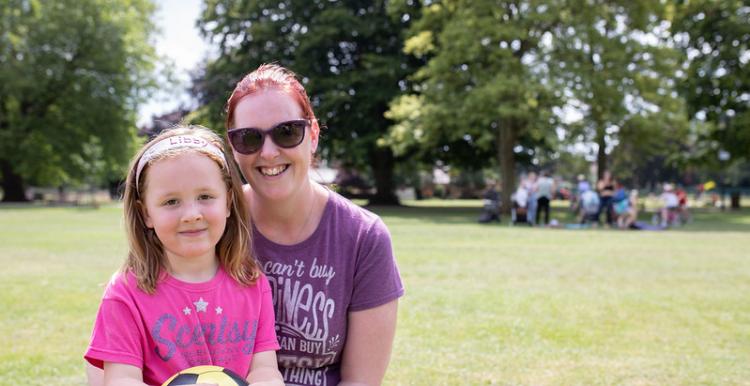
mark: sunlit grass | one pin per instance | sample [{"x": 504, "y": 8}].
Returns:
[{"x": 485, "y": 304}]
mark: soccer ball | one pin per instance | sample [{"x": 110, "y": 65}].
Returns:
[{"x": 206, "y": 374}]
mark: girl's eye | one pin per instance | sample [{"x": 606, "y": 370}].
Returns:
[
  {"x": 170, "y": 202},
  {"x": 205, "y": 197}
]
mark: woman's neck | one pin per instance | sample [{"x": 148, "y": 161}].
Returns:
[{"x": 292, "y": 220}]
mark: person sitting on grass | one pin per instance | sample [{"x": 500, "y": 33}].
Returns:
[
  {"x": 627, "y": 210},
  {"x": 590, "y": 204}
]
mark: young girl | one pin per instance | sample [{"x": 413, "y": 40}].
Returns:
[{"x": 189, "y": 292}]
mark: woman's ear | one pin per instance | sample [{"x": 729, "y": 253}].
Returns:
[{"x": 314, "y": 135}]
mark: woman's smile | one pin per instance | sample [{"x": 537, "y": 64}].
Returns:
[{"x": 272, "y": 171}]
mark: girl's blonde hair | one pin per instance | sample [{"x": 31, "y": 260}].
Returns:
[{"x": 146, "y": 258}]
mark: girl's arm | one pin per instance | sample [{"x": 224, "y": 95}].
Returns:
[
  {"x": 264, "y": 371},
  {"x": 368, "y": 345},
  {"x": 94, "y": 375},
  {"x": 118, "y": 374}
]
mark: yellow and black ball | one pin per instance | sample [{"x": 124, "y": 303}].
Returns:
[{"x": 206, "y": 374}]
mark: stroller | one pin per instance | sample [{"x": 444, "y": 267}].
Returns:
[{"x": 491, "y": 208}]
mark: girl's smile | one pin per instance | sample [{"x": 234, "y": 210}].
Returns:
[{"x": 187, "y": 212}]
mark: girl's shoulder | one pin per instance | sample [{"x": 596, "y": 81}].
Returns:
[{"x": 122, "y": 284}]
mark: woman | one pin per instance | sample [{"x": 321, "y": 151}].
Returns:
[{"x": 334, "y": 278}]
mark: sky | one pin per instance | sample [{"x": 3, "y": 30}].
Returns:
[{"x": 179, "y": 41}]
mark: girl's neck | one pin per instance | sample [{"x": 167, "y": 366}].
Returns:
[
  {"x": 194, "y": 270},
  {"x": 292, "y": 220}
]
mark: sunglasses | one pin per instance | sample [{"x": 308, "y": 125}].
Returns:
[{"x": 249, "y": 140}]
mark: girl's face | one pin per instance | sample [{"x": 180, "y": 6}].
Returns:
[
  {"x": 186, "y": 203},
  {"x": 275, "y": 173}
]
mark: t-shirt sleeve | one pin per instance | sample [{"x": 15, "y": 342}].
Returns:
[
  {"x": 265, "y": 339},
  {"x": 376, "y": 278},
  {"x": 116, "y": 336}
]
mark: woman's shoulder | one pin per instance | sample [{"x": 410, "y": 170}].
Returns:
[
  {"x": 343, "y": 208},
  {"x": 353, "y": 219}
]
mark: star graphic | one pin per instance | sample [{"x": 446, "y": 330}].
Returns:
[
  {"x": 200, "y": 305},
  {"x": 218, "y": 310},
  {"x": 186, "y": 311}
]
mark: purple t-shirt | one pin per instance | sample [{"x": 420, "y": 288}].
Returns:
[{"x": 346, "y": 265}]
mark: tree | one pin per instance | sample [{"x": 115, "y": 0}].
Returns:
[
  {"x": 348, "y": 53},
  {"x": 715, "y": 36},
  {"x": 71, "y": 75},
  {"x": 484, "y": 86},
  {"x": 615, "y": 60}
]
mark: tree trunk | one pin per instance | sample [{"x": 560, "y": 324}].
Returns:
[
  {"x": 506, "y": 139},
  {"x": 601, "y": 154},
  {"x": 381, "y": 160},
  {"x": 734, "y": 199},
  {"x": 12, "y": 184}
]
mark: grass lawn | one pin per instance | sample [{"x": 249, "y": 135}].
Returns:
[{"x": 485, "y": 304}]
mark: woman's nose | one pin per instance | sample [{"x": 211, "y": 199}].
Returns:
[{"x": 269, "y": 149}]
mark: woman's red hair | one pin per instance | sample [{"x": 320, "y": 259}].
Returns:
[{"x": 270, "y": 76}]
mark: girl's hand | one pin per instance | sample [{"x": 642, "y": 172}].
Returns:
[{"x": 264, "y": 370}]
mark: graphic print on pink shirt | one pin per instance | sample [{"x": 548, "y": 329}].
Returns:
[{"x": 171, "y": 332}]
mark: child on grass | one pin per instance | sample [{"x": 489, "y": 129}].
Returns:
[{"x": 189, "y": 292}]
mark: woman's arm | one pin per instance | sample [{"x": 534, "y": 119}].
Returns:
[
  {"x": 369, "y": 341},
  {"x": 264, "y": 371}
]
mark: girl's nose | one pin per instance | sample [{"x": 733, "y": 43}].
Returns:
[{"x": 192, "y": 213}]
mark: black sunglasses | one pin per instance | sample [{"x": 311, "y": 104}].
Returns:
[{"x": 248, "y": 140}]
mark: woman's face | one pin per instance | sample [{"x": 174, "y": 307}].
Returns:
[{"x": 274, "y": 173}]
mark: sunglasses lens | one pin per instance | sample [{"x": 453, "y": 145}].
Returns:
[
  {"x": 286, "y": 135},
  {"x": 289, "y": 134},
  {"x": 246, "y": 141}
]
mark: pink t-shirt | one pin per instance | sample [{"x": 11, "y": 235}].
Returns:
[{"x": 218, "y": 322}]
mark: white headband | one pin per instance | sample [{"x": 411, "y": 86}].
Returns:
[{"x": 176, "y": 142}]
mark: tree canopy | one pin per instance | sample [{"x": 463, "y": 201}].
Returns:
[
  {"x": 348, "y": 54},
  {"x": 715, "y": 36},
  {"x": 658, "y": 85},
  {"x": 616, "y": 63},
  {"x": 71, "y": 75},
  {"x": 497, "y": 74},
  {"x": 484, "y": 86}
]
